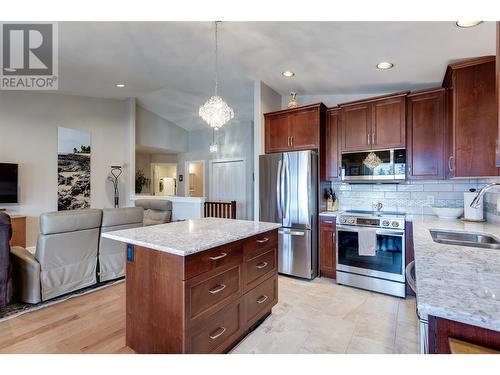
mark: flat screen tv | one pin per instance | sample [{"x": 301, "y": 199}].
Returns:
[{"x": 8, "y": 183}]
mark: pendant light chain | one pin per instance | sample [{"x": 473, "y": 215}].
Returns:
[{"x": 216, "y": 59}]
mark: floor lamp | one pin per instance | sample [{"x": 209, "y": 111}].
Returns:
[{"x": 116, "y": 171}]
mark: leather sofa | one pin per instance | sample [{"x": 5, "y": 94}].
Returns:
[
  {"x": 112, "y": 254},
  {"x": 5, "y": 266},
  {"x": 156, "y": 211},
  {"x": 65, "y": 259}
]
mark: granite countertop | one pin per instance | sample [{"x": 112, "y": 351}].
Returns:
[
  {"x": 457, "y": 282},
  {"x": 190, "y": 236}
]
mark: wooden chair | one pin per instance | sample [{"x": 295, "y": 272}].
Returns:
[{"x": 224, "y": 210}]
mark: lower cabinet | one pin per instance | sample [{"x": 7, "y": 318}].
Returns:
[
  {"x": 327, "y": 247},
  {"x": 202, "y": 303}
]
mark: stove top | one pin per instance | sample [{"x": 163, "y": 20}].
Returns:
[{"x": 382, "y": 219}]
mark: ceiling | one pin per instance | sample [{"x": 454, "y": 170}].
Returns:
[{"x": 169, "y": 66}]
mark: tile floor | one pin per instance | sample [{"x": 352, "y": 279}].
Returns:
[{"x": 320, "y": 316}]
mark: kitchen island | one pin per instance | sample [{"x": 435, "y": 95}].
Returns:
[
  {"x": 198, "y": 286},
  {"x": 458, "y": 287}
]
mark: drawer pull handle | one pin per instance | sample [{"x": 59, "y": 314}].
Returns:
[
  {"x": 328, "y": 222},
  {"x": 264, "y": 240},
  {"x": 220, "y": 256},
  {"x": 262, "y": 299},
  {"x": 217, "y": 289},
  {"x": 217, "y": 335},
  {"x": 261, "y": 265}
]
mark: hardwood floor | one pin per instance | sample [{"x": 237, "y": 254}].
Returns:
[
  {"x": 93, "y": 323},
  {"x": 311, "y": 317}
]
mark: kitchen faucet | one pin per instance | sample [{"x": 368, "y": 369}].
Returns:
[
  {"x": 378, "y": 206},
  {"x": 477, "y": 199}
]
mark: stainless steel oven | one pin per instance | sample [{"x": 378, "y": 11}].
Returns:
[
  {"x": 383, "y": 272},
  {"x": 391, "y": 166}
]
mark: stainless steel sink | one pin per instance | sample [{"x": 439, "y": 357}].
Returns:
[{"x": 465, "y": 239}]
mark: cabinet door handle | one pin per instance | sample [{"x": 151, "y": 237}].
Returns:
[
  {"x": 288, "y": 144},
  {"x": 291, "y": 141},
  {"x": 328, "y": 222},
  {"x": 262, "y": 299},
  {"x": 214, "y": 335},
  {"x": 264, "y": 240},
  {"x": 261, "y": 265},
  {"x": 220, "y": 256},
  {"x": 368, "y": 140},
  {"x": 217, "y": 289},
  {"x": 450, "y": 167},
  {"x": 373, "y": 138}
]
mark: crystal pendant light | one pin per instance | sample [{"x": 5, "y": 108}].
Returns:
[
  {"x": 372, "y": 161},
  {"x": 215, "y": 112}
]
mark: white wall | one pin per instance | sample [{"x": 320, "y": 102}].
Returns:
[
  {"x": 153, "y": 131},
  {"x": 28, "y": 136},
  {"x": 235, "y": 141},
  {"x": 265, "y": 100}
]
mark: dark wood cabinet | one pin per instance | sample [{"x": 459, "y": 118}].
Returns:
[
  {"x": 330, "y": 147},
  {"x": 277, "y": 133},
  {"x": 375, "y": 123},
  {"x": 201, "y": 303},
  {"x": 294, "y": 129},
  {"x": 498, "y": 91},
  {"x": 425, "y": 134},
  {"x": 356, "y": 127},
  {"x": 388, "y": 123},
  {"x": 471, "y": 118},
  {"x": 327, "y": 247}
]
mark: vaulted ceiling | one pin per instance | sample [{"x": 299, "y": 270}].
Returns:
[{"x": 169, "y": 66}]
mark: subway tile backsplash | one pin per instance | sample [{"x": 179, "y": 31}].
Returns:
[{"x": 415, "y": 197}]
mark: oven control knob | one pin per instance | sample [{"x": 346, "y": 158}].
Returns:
[
  {"x": 342, "y": 220},
  {"x": 351, "y": 220},
  {"x": 395, "y": 224},
  {"x": 385, "y": 223}
]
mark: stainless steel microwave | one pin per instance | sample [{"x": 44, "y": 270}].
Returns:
[{"x": 386, "y": 166}]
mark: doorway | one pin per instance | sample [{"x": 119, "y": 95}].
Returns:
[
  {"x": 228, "y": 183},
  {"x": 164, "y": 179},
  {"x": 195, "y": 174}
]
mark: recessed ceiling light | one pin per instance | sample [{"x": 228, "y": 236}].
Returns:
[
  {"x": 384, "y": 65},
  {"x": 465, "y": 24},
  {"x": 120, "y": 85},
  {"x": 287, "y": 74},
  {"x": 10, "y": 70}
]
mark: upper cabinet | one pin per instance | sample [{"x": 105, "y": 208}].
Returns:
[
  {"x": 425, "y": 134},
  {"x": 294, "y": 129},
  {"x": 330, "y": 146},
  {"x": 471, "y": 118},
  {"x": 375, "y": 123}
]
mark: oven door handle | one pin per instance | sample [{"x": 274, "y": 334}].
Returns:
[{"x": 348, "y": 228}]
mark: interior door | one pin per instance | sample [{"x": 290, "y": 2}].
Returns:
[
  {"x": 388, "y": 127},
  {"x": 277, "y": 133},
  {"x": 227, "y": 183},
  {"x": 356, "y": 126},
  {"x": 304, "y": 129}
]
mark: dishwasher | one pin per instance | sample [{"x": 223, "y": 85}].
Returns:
[{"x": 423, "y": 324}]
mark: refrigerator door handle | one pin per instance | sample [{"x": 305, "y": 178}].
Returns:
[
  {"x": 278, "y": 189},
  {"x": 288, "y": 193},
  {"x": 291, "y": 232}
]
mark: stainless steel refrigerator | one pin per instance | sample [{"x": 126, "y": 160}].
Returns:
[{"x": 288, "y": 195}]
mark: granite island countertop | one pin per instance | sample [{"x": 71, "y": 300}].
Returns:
[
  {"x": 191, "y": 236},
  {"x": 457, "y": 282}
]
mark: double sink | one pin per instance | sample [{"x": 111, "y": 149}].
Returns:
[{"x": 465, "y": 239}]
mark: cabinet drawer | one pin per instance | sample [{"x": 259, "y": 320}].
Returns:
[
  {"x": 260, "y": 299},
  {"x": 222, "y": 257},
  {"x": 209, "y": 293},
  {"x": 217, "y": 331},
  {"x": 260, "y": 243},
  {"x": 327, "y": 222},
  {"x": 259, "y": 267}
]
